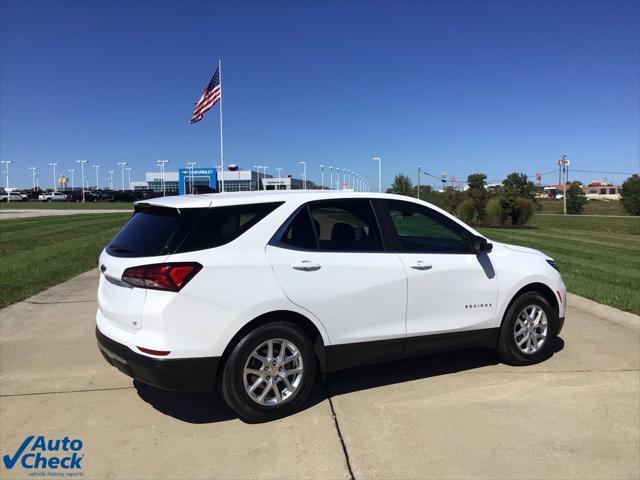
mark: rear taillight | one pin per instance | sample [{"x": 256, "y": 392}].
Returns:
[{"x": 162, "y": 276}]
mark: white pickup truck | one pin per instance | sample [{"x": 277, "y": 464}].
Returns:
[{"x": 52, "y": 197}]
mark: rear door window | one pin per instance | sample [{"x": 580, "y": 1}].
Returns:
[{"x": 154, "y": 231}]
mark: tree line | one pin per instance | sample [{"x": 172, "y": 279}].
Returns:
[{"x": 513, "y": 202}]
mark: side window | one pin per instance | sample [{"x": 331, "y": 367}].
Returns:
[
  {"x": 422, "y": 230},
  {"x": 346, "y": 226},
  {"x": 299, "y": 233}
]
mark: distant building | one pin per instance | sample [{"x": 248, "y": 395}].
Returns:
[
  {"x": 597, "y": 189},
  {"x": 205, "y": 178}
]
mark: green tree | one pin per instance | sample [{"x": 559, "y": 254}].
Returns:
[
  {"x": 576, "y": 198},
  {"x": 630, "y": 195},
  {"x": 402, "y": 185},
  {"x": 478, "y": 195},
  {"x": 516, "y": 186}
]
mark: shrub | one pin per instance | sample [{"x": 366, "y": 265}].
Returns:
[
  {"x": 575, "y": 198},
  {"x": 493, "y": 212},
  {"x": 467, "y": 212},
  {"x": 524, "y": 210},
  {"x": 630, "y": 195}
]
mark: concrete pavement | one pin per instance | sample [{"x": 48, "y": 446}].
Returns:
[{"x": 454, "y": 415}]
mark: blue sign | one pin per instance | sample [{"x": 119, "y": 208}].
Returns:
[{"x": 202, "y": 177}]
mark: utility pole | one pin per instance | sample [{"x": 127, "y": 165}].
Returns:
[
  {"x": 419, "y": 169},
  {"x": 565, "y": 178}
]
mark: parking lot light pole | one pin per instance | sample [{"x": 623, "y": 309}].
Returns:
[
  {"x": 128, "y": 169},
  {"x": 33, "y": 177},
  {"x": 6, "y": 164},
  {"x": 304, "y": 174},
  {"x": 162, "y": 163},
  {"x": 379, "y": 160},
  {"x": 264, "y": 177},
  {"x": 122, "y": 164},
  {"x": 72, "y": 171},
  {"x": 280, "y": 182},
  {"x": 322, "y": 177},
  {"x": 344, "y": 178},
  {"x": 330, "y": 177},
  {"x": 54, "y": 165},
  {"x": 191, "y": 165},
  {"x": 97, "y": 179},
  {"x": 82, "y": 162},
  {"x": 110, "y": 172}
]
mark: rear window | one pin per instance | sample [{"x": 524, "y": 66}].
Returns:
[{"x": 154, "y": 231}]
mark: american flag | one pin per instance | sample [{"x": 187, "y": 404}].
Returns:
[{"x": 208, "y": 99}]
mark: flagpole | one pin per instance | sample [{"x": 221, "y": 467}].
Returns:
[{"x": 221, "y": 138}]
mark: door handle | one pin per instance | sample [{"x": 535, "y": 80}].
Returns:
[
  {"x": 420, "y": 265},
  {"x": 305, "y": 266}
]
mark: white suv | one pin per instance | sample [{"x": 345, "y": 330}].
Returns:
[{"x": 253, "y": 293}]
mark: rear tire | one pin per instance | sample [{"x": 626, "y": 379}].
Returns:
[
  {"x": 527, "y": 330},
  {"x": 269, "y": 373}
]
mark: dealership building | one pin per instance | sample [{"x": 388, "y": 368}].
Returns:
[{"x": 202, "y": 179}]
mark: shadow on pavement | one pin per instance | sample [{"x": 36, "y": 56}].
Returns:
[{"x": 209, "y": 407}]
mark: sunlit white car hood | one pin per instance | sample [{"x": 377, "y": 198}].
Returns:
[{"x": 518, "y": 248}]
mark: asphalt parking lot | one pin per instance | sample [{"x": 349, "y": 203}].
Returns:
[{"x": 454, "y": 415}]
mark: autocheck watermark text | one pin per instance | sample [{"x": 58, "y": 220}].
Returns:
[{"x": 53, "y": 457}]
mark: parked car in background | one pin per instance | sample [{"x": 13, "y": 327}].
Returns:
[
  {"x": 52, "y": 197},
  {"x": 13, "y": 197},
  {"x": 76, "y": 196},
  {"x": 256, "y": 292}
]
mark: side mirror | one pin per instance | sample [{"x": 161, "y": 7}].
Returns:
[{"x": 480, "y": 245}]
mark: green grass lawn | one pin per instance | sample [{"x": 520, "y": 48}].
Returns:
[
  {"x": 40, "y": 252},
  {"x": 592, "y": 207},
  {"x": 66, "y": 205},
  {"x": 599, "y": 257}
]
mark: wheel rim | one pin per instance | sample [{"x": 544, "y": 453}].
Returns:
[
  {"x": 273, "y": 372},
  {"x": 530, "y": 329}
]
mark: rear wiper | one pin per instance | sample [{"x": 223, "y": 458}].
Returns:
[{"x": 118, "y": 249}]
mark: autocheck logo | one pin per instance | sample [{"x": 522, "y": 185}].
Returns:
[{"x": 40, "y": 453}]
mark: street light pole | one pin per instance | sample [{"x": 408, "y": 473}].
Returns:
[
  {"x": 54, "y": 165},
  {"x": 330, "y": 178},
  {"x": 304, "y": 174},
  {"x": 191, "y": 165},
  {"x": 82, "y": 162},
  {"x": 162, "y": 163},
  {"x": 344, "y": 178},
  {"x": 279, "y": 170},
  {"x": 97, "y": 179},
  {"x": 72, "y": 171},
  {"x": 122, "y": 164},
  {"x": 264, "y": 177},
  {"x": 379, "y": 160},
  {"x": 6, "y": 171},
  {"x": 33, "y": 177},
  {"x": 128, "y": 169},
  {"x": 322, "y": 177},
  {"x": 110, "y": 172}
]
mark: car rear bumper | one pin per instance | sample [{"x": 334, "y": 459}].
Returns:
[{"x": 183, "y": 374}]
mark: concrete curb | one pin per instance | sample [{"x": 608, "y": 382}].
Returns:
[{"x": 611, "y": 314}]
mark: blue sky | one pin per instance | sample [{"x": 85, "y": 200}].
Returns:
[{"x": 455, "y": 86}]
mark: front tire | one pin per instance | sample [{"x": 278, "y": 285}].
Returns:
[
  {"x": 527, "y": 330},
  {"x": 269, "y": 373}
]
